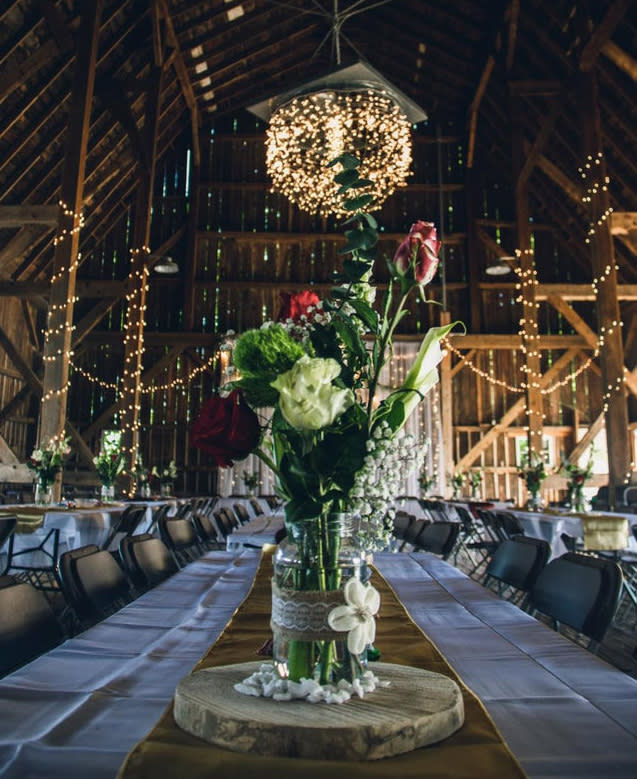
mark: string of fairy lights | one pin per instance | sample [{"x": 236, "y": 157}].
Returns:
[{"x": 60, "y": 329}]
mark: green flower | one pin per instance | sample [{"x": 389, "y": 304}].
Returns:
[
  {"x": 307, "y": 398},
  {"x": 262, "y": 355}
]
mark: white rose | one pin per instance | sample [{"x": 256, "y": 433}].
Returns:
[{"x": 307, "y": 398}]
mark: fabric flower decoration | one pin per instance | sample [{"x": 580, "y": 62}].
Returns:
[
  {"x": 307, "y": 398},
  {"x": 227, "y": 429},
  {"x": 357, "y": 615}
]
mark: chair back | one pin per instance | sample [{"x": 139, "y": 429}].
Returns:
[
  {"x": 101, "y": 583},
  {"x": 28, "y": 626},
  {"x": 402, "y": 521},
  {"x": 67, "y": 575},
  {"x": 125, "y": 525},
  {"x": 439, "y": 538},
  {"x": 256, "y": 507},
  {"x": 7, "y": 528},
  {"x": 151, "y": 559},
  {"x": 242, "y": 513},
  {"x": 509, "y": 525},
  {"x": 181, "y": 539},
  {"x": 222, "y": 524},
  {"x": 579, "y": 590},
  {"x": 206, "y": 531},
  {"x": 518, "y": 561}
]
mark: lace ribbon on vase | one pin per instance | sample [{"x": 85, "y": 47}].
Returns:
[{"x": 301, "y": 615}]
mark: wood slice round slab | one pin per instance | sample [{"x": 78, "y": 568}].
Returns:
[{"x": 418, "y": 708}]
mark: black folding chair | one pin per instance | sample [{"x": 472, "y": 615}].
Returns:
[
  {"x": 439, "y": 538},
  {"x": 516, "y": 564},
  {"x": 101, "y": 585},
  {"x": 180, "y": 537},
  {"x": 148, "y": 559},
  {"x": 28, "y": 626},
  {"x": 125, "y": 525},
  {"x": 7, "y": 528},
  {"x": 578, "y": 590}
]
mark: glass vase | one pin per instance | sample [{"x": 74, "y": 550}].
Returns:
[
  {"x": 107, "y": 493},
  {"x": 144, "y": 490},
  {"x": 534, "y": 502},
  {"x": 166, "y": 490},
  {"x": 311, "y": 568},
  {"x": 576, "y": 498},
  {"x": 43, "y": 493}
]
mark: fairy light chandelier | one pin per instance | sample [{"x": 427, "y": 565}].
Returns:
[
  {"x": 352, "y": 109},
  {"x": 310, "y": 130}
]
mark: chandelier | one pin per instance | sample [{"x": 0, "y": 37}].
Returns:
[{"x": 353, "y": 110}]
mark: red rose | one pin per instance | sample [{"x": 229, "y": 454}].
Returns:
[
  {"x": 227, "y": 429},
  {"x": 417, "y": 255},
  {"x": 295, "y": 306}
]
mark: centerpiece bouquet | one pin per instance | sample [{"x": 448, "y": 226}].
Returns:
[
  {"x": 577, "y": 478},
  {"x": 166, "y": 476},
  {"x": 46, "y": 462},
  {"x": 533, "y": 470},
  {"x": 141, "y": 475},
  {"x": 334, "y": 446},
  {"x": 456, "y": 482},
  {"x": 109, "y": 462},
  {"x": 475, "y": 480},
  {"x": 426, "y": 481},
  {"x": 250, "y": 480}
]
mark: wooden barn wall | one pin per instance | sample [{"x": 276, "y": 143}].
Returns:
[{"x": 18, "y": 429}]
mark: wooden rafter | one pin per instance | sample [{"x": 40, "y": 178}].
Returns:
[{"x": 614, "y": 15}]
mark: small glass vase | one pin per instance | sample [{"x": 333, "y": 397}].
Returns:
[
  {"x": 166, "y": 490},
  {"x": 144, "y": 490},
  {"x": 576, "y": 498},
  {"x": 311, "y": 568},
  {"x": 107, "y": 493},
  {"x": 534, "y": 502},
  {"x": 43, "y": 493}
]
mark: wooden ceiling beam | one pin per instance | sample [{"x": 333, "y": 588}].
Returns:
[
  {"x": 604, "y": 30},
  {"x": 622, "y": 59},
  {"x": 19, "y": 216}
]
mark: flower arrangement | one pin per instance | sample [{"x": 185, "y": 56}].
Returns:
[
  {"x": 577, "y": 478},
  {"x": 533, "y": 470},
  {"x": 250, "y": 480},
  {"x": 475, "y": 480},
  {"x": 141, "y": 475},
  {"x": 110, "y": 460},
  {"x": 456, "y": 482},
  {"x": 332, "y": 443},
  {"x": 426, "y": 482},
  {"x": 166, "y": 475},
  {"x": 47, "y": 461}
]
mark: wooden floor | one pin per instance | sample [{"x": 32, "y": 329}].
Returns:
[{"x": 619, "y": 647}]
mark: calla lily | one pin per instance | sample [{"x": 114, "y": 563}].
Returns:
[{"x": 357, "y": 615}]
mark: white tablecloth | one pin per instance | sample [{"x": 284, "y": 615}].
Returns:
[
  {"x": 255, "y": 533},
  {"x": 76, "y": 712},
  {"x": 551, "y": 526}
]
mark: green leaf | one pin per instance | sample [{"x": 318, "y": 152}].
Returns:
[
  {"x": 347, "y": 177},
  {"x": 346, "y": 160},
  {"x": 365, "y": 313},
  {"x": 357, "y": 203},
  {"x": 351, "y": 337},
  {"x": 355, "y": 270}
]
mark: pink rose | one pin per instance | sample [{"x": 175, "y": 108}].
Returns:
[{"x": 417, "y": 255}]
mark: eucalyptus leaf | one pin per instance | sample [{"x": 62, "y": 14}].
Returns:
[
  {"x": 357, "y": 203},
  {"x": 346, "y": 160},
  {"x": 347, "y": 177}
]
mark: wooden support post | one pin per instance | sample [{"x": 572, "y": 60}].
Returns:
[
  {"x": 611, "y": 355},
  {"x": 58, "y": 337},
  {"x": 190, "y": 260},
  {"x": 475, "y": 296},
  {"x": 529, "y": 327},
  {"x": 136, "y": 298},
  {"x": 446, "y": 404}
]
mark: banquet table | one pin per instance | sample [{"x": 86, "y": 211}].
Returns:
[
  {"x": 80, "y": 709},
  {"x": 551, "y": 525},
  {"x": 261, "y": 530},
  {"x": 75, "y": 527}
]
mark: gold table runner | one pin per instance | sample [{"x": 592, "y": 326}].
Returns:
[{"x": 476, "y": 750}]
